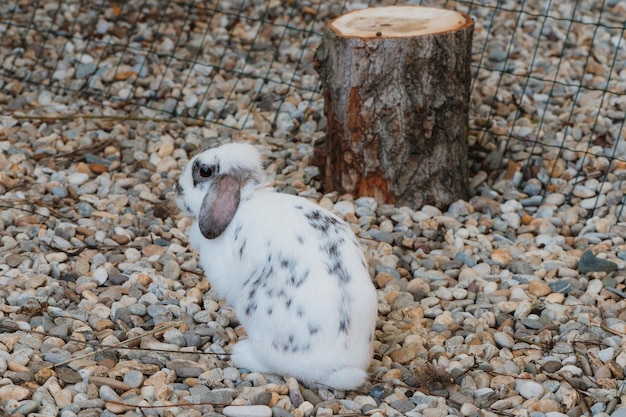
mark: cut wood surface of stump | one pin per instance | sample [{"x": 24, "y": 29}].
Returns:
[{"x": 396, "y": 86}]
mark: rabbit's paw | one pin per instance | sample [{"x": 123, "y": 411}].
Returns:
[
  {"x": 245, "y": 356},
  {"x": 344, "y": 379}
]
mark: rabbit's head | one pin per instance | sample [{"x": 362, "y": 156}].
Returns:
[{"x": 214, "y": 182}]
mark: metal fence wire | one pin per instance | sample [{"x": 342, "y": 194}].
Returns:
[{"x": 548, "y": 99}]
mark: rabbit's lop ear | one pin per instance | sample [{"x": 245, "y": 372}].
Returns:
[{"x": 219, "y": 206}]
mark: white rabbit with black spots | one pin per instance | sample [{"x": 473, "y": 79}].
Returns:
[{"x": 294, "y": 272}]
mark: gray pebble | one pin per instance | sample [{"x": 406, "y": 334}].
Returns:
[
  {"x": 133, "y": 378},
  {"x": 403, "y": 406},
  {"x": 381, "y": 236},
  {"x": 562, "y": 286},
  {"x": 59, "y": 191},
  {"x": 463, "y": 257},
  {"x": 57, "y": 356},
  {"x": 590, "y": 263},
  {"x": 262, "y": 398},
  {"x": 185, "y": 368},
  {"x": 504, "y": 339},
  {"x": 280, "y": 412},
  {"x": 484, "y": 397}
]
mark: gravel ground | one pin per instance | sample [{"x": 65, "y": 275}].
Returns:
[{"x": 510, "y": 303}]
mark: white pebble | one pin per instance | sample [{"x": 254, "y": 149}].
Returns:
[
  {"x": 606, "y": 354},
  {"x": 344, "y": 207},
  {"x": 100, "y": 275},
  {"x": 77, "y": 178},
  {"x": 247, "y": 411},
  {"x": 529, "y": 389},
  {"x": 503, "y": 339},
  {"x": 594, "y": 287}
]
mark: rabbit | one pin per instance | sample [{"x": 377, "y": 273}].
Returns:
[{"x": 293, "y": 271}]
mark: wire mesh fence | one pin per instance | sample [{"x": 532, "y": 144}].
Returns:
[{"x": 548, "y": 100}]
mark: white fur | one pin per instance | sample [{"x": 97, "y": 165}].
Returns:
[{"x": 300, "y": 285}]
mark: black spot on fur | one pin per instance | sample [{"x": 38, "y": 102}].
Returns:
[
  {"x": 290, "y": 346},
  {"x": 241, "y": 248},
  {"x": 288, "y": 264},
  {"x": 298, "y": 280},
  {"x": 300, "y": 312},
  {"x": 335, "y": 268},
  {"x": 320, "y": 221},
  {"x": 344, "y": 320},
  {"x": 300, "y": 239},
  {"x": 260, "y": 278},
  {"x": 288, "y": 303},
  {"x": 332, "y": 249},
  {"x": 251, "y": 307},
  {"x": 237, "y": 231},
  {"x": 270, "y": 310},
  {"x": 313, "y": 329},
  {"x": 343, "y": 326}
]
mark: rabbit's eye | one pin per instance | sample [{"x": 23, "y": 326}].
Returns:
[{"x": 206, "y": 171}]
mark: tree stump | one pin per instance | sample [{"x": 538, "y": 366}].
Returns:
[{"x": 396, "y": 86}]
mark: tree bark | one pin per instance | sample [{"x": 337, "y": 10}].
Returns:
[{"x": 396, "y": 86}]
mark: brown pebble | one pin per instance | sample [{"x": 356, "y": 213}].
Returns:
[
  {"x": 383, "y": 278},
  {"x": 110, "y": 151},
  {"x": 43, "y": 375},
  {"x": 104, "y": 324},
  {"x": 602, "y": 371},
  {"x": 81, "y": 230},
  {"x": 153, "y": 250},
  {"x": 17, "y": 367},
  {"x": 121, "y": 239},
  {"x": 109, "y": 363},
  {"x": 545, "y": 405},
  {"x": 552, "y": 366},
  {"x": 69, "y": 376},
  {"x": 539, "y": 288},
  {"x": 503, "y": 256},
  {"x": 14, "y": 392},
  {"x": 144, "y": 280},
  {"x": 83, "y": 168},
  {"x": 616, "y": 369},
  {"x": 113, "y": 383},
  {"x": 406, "y": 353},
  {"x": 27, "y": 220},
  {"x": 98, "y": 168},
  {"x": 392, "y": 374}
]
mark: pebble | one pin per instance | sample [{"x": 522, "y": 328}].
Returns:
[
  {"x": 590, "y": 263},
  {"x": 247, "y": 411},
  {"x": 529, "y": 389}
]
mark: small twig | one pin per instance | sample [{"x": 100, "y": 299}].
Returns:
[
  {"x": 50, "y": 206},
  {"x": 94, "y": 344},
  {"x": 184, "y": 120},
  {"x": 119, "y": 345},
  {"x": 80, "y": 152},
  {"x": 75, "y": 251}
]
